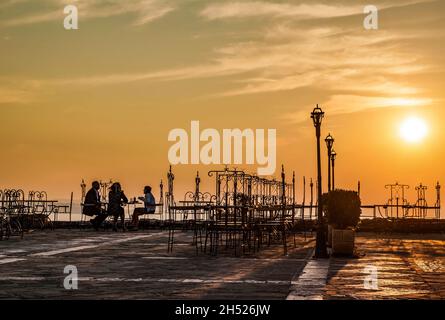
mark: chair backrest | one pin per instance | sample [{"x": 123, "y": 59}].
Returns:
[{"x": 37, "y": 201}]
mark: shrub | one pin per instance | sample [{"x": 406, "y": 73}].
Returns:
[{"x": 343, "y": 208}]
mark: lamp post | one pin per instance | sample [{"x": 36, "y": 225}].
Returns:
[
  {"x": 333, "y": 157},
  {"x": 320, "y": 245},
  {"x": 83, "y": 187},
  {"x": 197, "y": 182},
  {"x": 329, "y": 143}
]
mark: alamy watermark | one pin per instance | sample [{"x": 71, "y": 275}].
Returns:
[
  {"x": 218, "y": 148},
  {"x": 371, "y": 281},
  {"x": 71, "y": 21},
  {"x": 71, "y": 280},
  {"x": 371, "y": 21}
]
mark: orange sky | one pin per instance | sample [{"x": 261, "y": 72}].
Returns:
[{"x": 98, "y": 102}]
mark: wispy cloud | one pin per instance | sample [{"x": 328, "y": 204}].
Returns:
[
  {"x": 261, "y": 8},
  {"x": 347, "y": 63},
  {"x": 9, "y": 3},
  {"x": 351, "y": 103},
  {"x": 238, "y": 9},
  {"x": 144, "y": 11},
  {"x": 325, "y": 58},
  {"x": 278, "y": 64},
  {"x": 16, "y": 93}
]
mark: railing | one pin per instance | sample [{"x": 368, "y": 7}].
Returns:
[{"x": 394, "y": 211}]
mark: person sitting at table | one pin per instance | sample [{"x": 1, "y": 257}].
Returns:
[
  {"x": 116, "y": 199},
  {"x": 149, "y": 206},
  {"x": 92, "y": 206}
]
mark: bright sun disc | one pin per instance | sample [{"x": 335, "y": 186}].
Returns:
[{"x": 413, "y": 130}]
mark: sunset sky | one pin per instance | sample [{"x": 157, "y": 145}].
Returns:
[{"x": 99, "y": 102}]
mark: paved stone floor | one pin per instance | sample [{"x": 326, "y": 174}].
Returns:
[
  {"x": 407, "y": 267},
  {"x": 136, "y": 265}
]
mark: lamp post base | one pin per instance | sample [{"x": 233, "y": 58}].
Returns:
[
  {"x": 321, "y": 255},
  {"x": 321, "y": 251}
]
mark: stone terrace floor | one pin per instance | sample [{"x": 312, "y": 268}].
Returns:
[{"x": 136, "y": 265}]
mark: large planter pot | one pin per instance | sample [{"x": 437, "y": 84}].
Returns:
[
  {"x": 330, "y": 228},
  {"x": 343, "y": 241}
]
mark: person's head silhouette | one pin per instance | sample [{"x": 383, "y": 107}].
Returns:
[{"x": 116, "y": 187}]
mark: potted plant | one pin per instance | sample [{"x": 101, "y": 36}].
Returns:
[{"x": 343, "y": 210}]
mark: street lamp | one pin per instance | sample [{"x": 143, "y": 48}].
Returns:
[
  {"x": 333, "y": 157},
  {"x": 320, "y": 245},
  {"x": 329, "y": 143}
]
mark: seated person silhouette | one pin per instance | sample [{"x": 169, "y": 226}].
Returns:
[
  {"x": 149, "y": 206},
  {"x": 116, "y": 199},
  {"x": 93, "y": 207}
]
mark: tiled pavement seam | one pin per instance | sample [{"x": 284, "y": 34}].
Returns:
[{"x": 309, "y": 283}]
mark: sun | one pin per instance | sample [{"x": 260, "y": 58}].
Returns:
[{"x": 413, "y": 130}]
